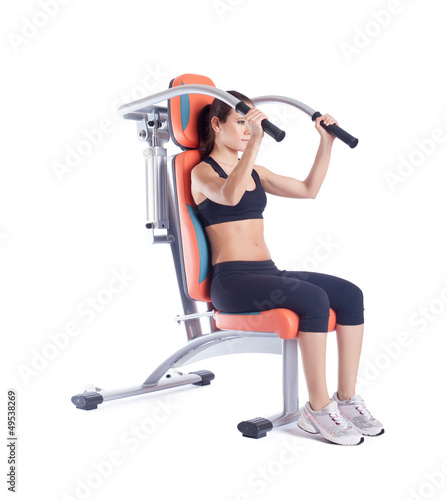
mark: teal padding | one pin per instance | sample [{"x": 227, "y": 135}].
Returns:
[
  {"x": 185, "y": 110},
  {"x": 256, "y": 313},
  {"x": 202, "y": 241}
]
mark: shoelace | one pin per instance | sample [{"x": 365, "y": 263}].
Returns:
[
  {"x": 339, "y": 419},
  {"x": 361, "y": 408}
]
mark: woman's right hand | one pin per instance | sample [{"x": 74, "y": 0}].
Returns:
[{"x": 253, "y": 119}]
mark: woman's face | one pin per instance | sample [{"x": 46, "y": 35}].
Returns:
[{"x": 234, "y": 133}]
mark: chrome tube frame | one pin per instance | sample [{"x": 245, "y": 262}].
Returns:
[
  {"x": 134, "y": 110},
  {"x": 216, "y": 344},
  {"x": 269, "y": 99}
]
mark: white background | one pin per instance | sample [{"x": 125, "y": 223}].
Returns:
[{"x": 379, "y": 68}]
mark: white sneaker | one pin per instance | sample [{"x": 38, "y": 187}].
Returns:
[
  {"x": 330, "y": 423},
  {"x": 355, "y": 411}
]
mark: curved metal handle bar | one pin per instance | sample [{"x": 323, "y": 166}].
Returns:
[
  {"x": 132, "y": 109},
  {"x": 267, "y": 99},
  {"x": 140, "y": 105},
  {"x": 344, "y": 136}
]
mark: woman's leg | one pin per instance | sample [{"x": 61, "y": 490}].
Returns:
[
  {"x": 347, "y": 301},
  {"x": 349, "y": 340},
  {"x": 313, "y": 352},
  {"x": 349, "y": 343},
  {"x": 313, "y": 355},
  {"x": 251, "y": 286},
  {"x": 321, "y": 414},
  {"x": 234, "y": 291},
  {"x": 257, "y": 286},
  {"x": 345, "y": 298}
]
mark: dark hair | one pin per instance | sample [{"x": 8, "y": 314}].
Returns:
[{"x": 221, "y": 110}]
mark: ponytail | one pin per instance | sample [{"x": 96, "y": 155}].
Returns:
[{"x": 206, "y": 132}]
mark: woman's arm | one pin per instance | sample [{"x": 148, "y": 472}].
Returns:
[
  {"x": 230, "y": 191},
  {"x": 227, "y": 191},
  {"x": 290, "y": 187},
  {"x": 235, "y": 185}
]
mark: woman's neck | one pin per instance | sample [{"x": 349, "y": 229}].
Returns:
[{"x": 224, "y": 156}]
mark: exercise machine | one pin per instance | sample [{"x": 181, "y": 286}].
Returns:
[{"x": 172, "y": 219}]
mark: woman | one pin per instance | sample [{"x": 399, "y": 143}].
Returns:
[{"x": 230, "y": 197}]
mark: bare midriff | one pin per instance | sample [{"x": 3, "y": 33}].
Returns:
[{"x": 238, "y": 240}]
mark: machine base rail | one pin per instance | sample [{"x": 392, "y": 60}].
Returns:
[{"x": 91, "y": 400}]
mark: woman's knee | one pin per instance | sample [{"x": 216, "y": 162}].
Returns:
[
  {"x": 314, "y": 313},
  {"x": 351, "y": 308},
  {"x": 353, "y": 297},
  {"x": 319, "y": 303},
  {"x": 316, "y": 316}
]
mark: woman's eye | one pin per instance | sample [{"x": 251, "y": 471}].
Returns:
[{"x": 241, "y": 122}]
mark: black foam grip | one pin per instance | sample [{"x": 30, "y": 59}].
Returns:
[
  {"x": 268, "y": 127},
  {"x": 338, "y": 132}
]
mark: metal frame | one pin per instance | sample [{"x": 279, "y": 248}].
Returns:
[{"x": 162, "y": 215}]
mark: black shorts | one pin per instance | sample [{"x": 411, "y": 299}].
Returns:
[{"x": 248, "y": 286}]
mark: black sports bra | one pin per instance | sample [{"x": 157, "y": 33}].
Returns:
[{"x": 250, "y": 206}]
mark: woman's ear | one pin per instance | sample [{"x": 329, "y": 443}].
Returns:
[{"x": 215, "y": 124}]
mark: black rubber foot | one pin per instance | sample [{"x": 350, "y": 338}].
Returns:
[
  {"x": 255, "y": 428},
  {"x": 87, "y": 400},
  {"x": 206, "y": 377}
]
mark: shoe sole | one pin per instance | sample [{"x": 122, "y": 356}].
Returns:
[
  {"x": 361, "y": 431},
  {"x": 374, "y": 435},
  {"x": 304, "y": 424}
]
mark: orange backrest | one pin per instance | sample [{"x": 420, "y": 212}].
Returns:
[
  {"x": 184, "y": 110},
  {"x": 196, "y": 251},
  {"x": 183, "y": 114}
]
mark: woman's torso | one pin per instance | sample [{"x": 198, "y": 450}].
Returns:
[{"x": 237, "y": 239}]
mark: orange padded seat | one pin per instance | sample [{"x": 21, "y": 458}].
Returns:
[{"x": 284, "y": 322}]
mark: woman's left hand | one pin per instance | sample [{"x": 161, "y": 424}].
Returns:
[{"x": 327, "y": 120}]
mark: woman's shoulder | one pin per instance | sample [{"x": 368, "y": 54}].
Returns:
[
  {"x": 203, "y": 170},
  {"x": 263, "y": 172},
  {"x": 202, "y": 165}
]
